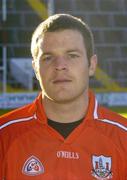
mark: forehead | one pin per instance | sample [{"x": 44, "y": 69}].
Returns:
[{"x": 63, "y": 38}]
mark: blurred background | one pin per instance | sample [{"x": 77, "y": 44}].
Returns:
[{"x": 108, "y": 21}]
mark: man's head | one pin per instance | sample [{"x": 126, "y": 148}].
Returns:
[
  {"x": 63, "y": 58},
  {"x": 62, "y": 22}
]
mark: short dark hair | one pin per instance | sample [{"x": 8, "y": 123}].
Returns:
[{"x": 61, "y": 22}]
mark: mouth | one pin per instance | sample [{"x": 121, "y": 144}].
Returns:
[{"x": 61, "y": 81}]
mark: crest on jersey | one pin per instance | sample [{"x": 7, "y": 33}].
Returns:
[
  {"x": 33, "y": 167},
  {"x": 101, "y": 167}
]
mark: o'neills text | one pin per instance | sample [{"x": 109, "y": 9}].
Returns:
[{"x": 67, "y": 155}]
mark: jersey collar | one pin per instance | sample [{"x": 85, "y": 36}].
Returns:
[{"x": 92, "y": 111}]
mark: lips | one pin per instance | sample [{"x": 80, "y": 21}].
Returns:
[{"x": 60, "y": 81}]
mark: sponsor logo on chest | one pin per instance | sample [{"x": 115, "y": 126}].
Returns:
[
  {"x": 33, "y": 167},
  {"x": 101, "y": 167}
]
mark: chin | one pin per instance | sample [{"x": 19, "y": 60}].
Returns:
[{"x": 63, "y": 100}]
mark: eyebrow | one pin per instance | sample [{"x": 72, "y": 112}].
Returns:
[
  {"x": 74, "y": 50},
  {"x": 47, "y": 53}
]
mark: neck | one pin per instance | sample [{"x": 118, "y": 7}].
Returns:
[{"x": 66, "y": 112}]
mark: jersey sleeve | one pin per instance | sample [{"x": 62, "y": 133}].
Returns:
[
  {"x": 123, "y": 145},
  {"x": 1, "y": 160}
]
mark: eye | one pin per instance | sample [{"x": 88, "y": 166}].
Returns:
[
  {"x": 47, "y": 58},
  {"x": 73, "y": 55}
]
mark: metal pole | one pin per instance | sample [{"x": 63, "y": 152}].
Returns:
[
  {"x": 51, "y": 8},
  {"x": 4, "y": 57},
  {"x": 4, "y": 10},
  {"x": 4, "y": 69}
]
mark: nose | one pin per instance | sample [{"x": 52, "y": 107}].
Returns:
[{"x": 60, "y": 63}]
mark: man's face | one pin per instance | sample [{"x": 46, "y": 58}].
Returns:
[{"x": 62, "y": 66}]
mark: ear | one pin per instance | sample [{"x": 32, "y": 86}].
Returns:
[
  {"x": 93, "y": 64},
  {"x": 34, "y": 65}
]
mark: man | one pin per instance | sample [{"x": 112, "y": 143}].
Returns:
[{"x": 64, "y": 134}]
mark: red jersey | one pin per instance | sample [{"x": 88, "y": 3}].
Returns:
[{"x": 32, "y": 150}]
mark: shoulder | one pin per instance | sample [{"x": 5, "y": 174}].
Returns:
[
  {"x": 111, "y": 118},
  {"x": 113, "y": 126},
  {"x": 15, "y": 125},
  {"x": 22, "y": 114}
]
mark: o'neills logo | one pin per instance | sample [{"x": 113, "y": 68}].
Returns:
[{"x": 67, "y": 155}]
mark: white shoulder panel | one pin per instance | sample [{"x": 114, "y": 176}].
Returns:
[
  {"x": 18, "y": 121},
  {"x": 114, "y": 123}
]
